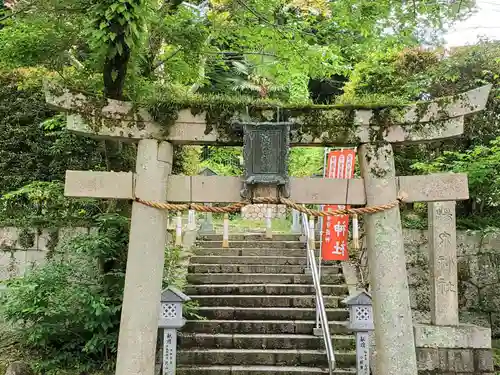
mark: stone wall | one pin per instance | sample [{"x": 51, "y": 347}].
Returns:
[
  {"x": 478, "y": 277},
  {"x": 22, "y": 248},
  {"x": 258, "y": 211},
  {"x": 453, "y": 350}
]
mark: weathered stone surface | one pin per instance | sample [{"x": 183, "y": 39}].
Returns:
[
  {"x": 442, "y": 118},
  {"x": 252, "y": 252},
  {"x": 249, "y": 278},
  {"x": 287, "y": 271},
  {"x": 283, "y": 357},
  {"x": 264, "y": 289},
  {"x": 449, "y": 186},
  {"x": 460, "y": 360},
  {"x": 259, "y": 326},
  {"x": 443, "y": 263},
  {"x": 258, "y": 211},
  {"x": 249, "y": 341},
  {"x": 265, "y": 301},
  {"x": 145, "y": 261},
  {"x": 257, "y": 313},
  {"x": 427, "y": 359},
  {"x": 256, "y": 245},
  {"x": 483, "y": 360},
  {"x": 449, "y": 361},
  {"x": 478, "y": 283},
  {"x": 9, "y": 238},
  {"x": 250, "y": 237},
  {"x": 463, "y": 336},
  {"x": 18, "y": 368},
  {"x": 259, "y": 370},
  {"x": 257, "y": 260},
  {"x": 390, "y": 291},
  {"x": 115, "y": 185}
]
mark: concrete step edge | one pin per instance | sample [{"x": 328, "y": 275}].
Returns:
[
  {"x": 263, "y": 284},
  {"x": 265, "y": 321},
  {"x": 270, "y": 369},
  {"x": 245, "y": 256},
  {"x": 239, "y": 296},
  {"x": 307, "y": 309},
  {"x": 269, "y": 351},
  {"x": 264, "y": 336},
  {"x": 252, "y": 273}
]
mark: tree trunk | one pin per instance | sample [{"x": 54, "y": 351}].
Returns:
[{"x": 115, "y": 72}]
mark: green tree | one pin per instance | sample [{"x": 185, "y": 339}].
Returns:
[{"x": 135, "y": 44}]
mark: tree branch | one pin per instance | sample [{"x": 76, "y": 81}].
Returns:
[{"x": 160, "y": 63}]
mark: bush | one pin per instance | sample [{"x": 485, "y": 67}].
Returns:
[
  {"x": 43, "y": 204},
  {"x": 67, "y": 311}
]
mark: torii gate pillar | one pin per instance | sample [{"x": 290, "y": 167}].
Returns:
[
  {"x": 386, "y": 257},
  {"x": 145, "y": 261}
]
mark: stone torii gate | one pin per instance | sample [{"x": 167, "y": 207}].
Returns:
[{"x": 373, "y": 133}]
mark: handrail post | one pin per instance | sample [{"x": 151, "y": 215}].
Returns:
[{"x": 320, "y": 306}]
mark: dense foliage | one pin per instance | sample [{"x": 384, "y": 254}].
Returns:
[
  {"x": 416, "y": 73},
  {"x": 251, "y": 46},
  {"x": 66, "y": 313},
  {"x": 34, "y": 145}
]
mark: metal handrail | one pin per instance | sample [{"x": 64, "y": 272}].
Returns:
[{"x": 320, "y": 303}]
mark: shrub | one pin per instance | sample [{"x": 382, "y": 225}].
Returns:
[{"x": 67, "y": 311}]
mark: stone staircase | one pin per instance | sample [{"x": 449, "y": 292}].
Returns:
[{"x": 260, "y": 312}]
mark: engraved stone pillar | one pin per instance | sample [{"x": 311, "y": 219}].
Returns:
[
  {"x": 296, "y": 228},
  {"x": 148, "y": 235},
  {"x": 394, "y": 341},
  {"x": 443, "y": 263}
]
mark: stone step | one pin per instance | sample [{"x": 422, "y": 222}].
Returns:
[
  {"x": 249, "y": 237},
  {"x": 260, "y": 260},
  {"x": 239, "y": 341},
  {"x": 265, "y": 301},
  {"x": 264, "y": 289},
  {"x": 259, "y": 370},
  {"x": 252, "y": 244},
  {"x": 282, "y": 357},
  {"x": 273, "y": 252},
  {"x": 261, "y": 326},
  {"x": 263, "y": 278},
  {"x": 258, "y": 268},
  {"x": 276, "y": 313}
]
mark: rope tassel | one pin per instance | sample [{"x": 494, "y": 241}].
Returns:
[
  {"x": 312, "y": 240},
  {"x": 178, "y": 229},
  {"x": 355, "y": 232},
  {"x": 191, "y": 219},
  {"x": 225, "y": 232},
  {"x": 269, "y": 228}
]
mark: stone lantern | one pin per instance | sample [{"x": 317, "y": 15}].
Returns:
[
  {"x": 170, "y": 321},
  {"x": 361, "y": 322}
]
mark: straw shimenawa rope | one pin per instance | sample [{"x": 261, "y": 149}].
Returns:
[{"x": 235, "y": 207}]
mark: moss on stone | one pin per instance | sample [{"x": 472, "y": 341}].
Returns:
[
  {"x": 26, "y": 238},
  {"x": 329, "y": 123}
]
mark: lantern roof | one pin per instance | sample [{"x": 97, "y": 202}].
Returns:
[
  {"x": 360, "y": 298},
  {"x": 172, "y": 294}
]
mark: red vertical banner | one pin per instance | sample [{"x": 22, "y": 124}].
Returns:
[{"x": 340, "y": 164}]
